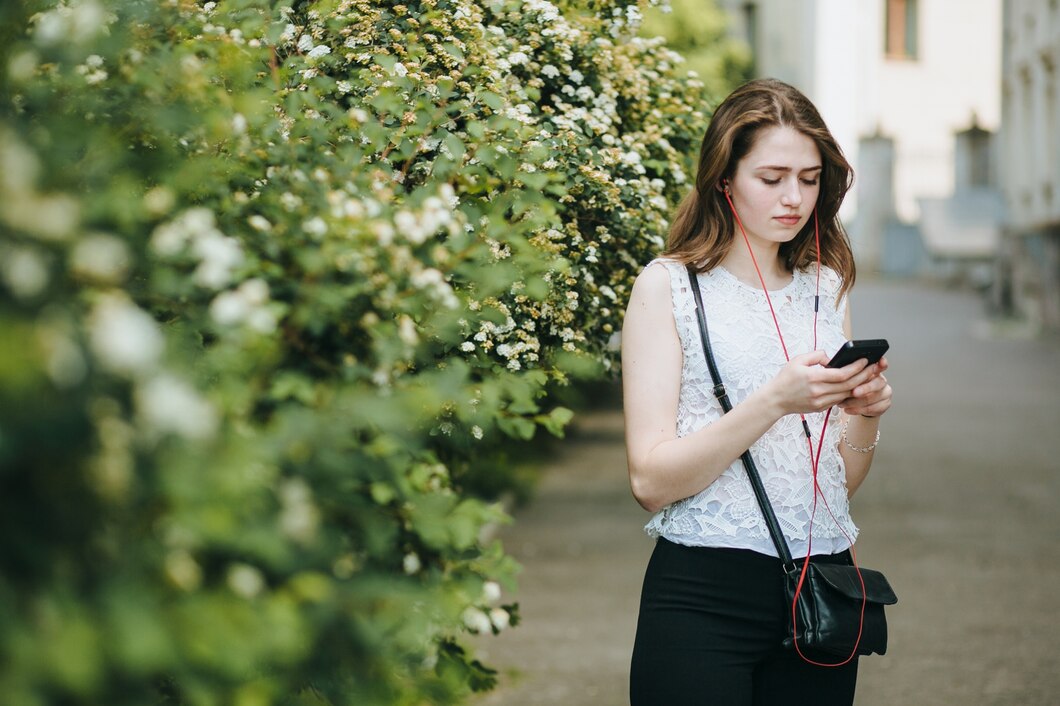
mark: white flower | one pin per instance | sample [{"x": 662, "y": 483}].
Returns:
[
  {"x": 315, "y": 226},
  {"x": 103, "y": 258},
  {"x": 239, "y": 124},
  {"x": 477, "y": 621},
  {"x": 448, "y": 194},
  {"x": 98, "y": 76},
  {"x": 384, "y": 233},
  {"x": 400, "y": 70},
  {"x": 476, "y": 431},
  {"x": 318, "y": 51},
  {"x": 491, "y": 591},
  {"x": 255, "y": 291},
  {"x": 409, "y": 226},
  {"x": 229, "y": 309},
  {"x": 500, "y": 618},
  {"x": 290, "y": 201},
  {"x": 407, "y": 331},
  {"x": 467, "y": 346},
  {"x": 428, "y": 277},
  {"x": 74, "y": 23},
  {"x": 124, "y": 338},
  {"x": 262, "y": 320},
  {"x": 245, "y": 580},
  {"x": 517, "y": 58},
  {"x": 299, "y": 517},
  {"x": 411, "y": 563},
  {"x": 305, "y": 43},
  {"x": 167, "y": 404},
  {"x": 159, "y": 200},
  {"x": 577, "y": 76},
  {"x": 245, "y": 304},
  {"x": 259, "y": 223},
  {"x": 218, "y": 256},
  {"x": 550, "y": 71},
  {"x": 24, "y": 271}
]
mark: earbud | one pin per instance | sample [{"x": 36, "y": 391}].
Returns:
[{"x": 724, "y": 186}]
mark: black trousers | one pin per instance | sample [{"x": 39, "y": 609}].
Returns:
[{"x": 710, "y": 630}]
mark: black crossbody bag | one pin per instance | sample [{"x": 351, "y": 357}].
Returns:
[{"x": 827, "y": 621}]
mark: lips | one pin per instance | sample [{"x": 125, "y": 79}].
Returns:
[{"x": 788, "y": 220}]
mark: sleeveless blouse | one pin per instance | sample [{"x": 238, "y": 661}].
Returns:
[{"x": 748, "y": 353}]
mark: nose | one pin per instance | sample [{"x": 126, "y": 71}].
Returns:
[{"x": 792, "y": 194}]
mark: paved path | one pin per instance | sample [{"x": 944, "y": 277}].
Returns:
[{"x": 960, "y": 512}]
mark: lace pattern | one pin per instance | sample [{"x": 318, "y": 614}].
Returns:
[{"x": 748, "y": 354}]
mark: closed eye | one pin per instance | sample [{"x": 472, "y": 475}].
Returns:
[{"x": 774, "y": 182}]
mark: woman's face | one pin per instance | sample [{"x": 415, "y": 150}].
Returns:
[{"x": 776, "y": 184}]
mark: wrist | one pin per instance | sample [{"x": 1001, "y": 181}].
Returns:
[
  {"x": 772, "y": 403},
  {"x": 861, "y": 447}
]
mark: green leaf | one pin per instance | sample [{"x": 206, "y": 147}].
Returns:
[
  {"x": 494, "y": 101},
  {"x": 517, "y": 427},
  {"x": 454, "y": 145},
  {"x": 556, "y": 420}
]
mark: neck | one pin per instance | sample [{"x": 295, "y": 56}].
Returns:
[{"x": 738, "y": 261}]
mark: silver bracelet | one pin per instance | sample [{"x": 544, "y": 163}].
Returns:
[{"x": 860, "y": 449}]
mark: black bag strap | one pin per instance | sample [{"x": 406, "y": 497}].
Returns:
[{"x": 748, "y": 462}]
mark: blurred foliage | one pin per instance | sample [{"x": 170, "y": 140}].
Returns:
[
  {"x": 697, "y": 29},
  {"x": 279, "y": 287}
]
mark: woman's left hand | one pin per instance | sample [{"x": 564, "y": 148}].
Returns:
[{"x": 872, "y": 397}]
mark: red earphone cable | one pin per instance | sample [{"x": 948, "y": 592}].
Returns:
[{"x": 814, "y": 458}]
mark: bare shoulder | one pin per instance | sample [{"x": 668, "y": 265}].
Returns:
[
  {"x": 649, "y": 315},
  {"x": 652, "y": 287}
]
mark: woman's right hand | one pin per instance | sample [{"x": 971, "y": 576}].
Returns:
[{"x": 806, "y": 385}]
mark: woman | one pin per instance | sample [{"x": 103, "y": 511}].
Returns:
[{"x": 770, "y": 182}]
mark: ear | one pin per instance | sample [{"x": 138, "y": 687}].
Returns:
[{"x": 723, "y": 186}]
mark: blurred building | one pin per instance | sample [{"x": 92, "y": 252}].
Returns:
[
  {"x": 897, "y": 81},
  {"x": 1029, "y": 262}
]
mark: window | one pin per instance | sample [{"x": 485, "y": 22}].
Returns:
[{"x": 900, "y": 29}]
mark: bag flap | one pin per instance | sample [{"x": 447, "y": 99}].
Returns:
[{"x": 844, "y": 579}]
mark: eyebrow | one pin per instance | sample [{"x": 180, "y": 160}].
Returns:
[{"x": 788, "y": 169}]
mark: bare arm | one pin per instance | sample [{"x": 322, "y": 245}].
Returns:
[
  {"x": 862, "y": 411},
  {"x": 664, "y": 468}
]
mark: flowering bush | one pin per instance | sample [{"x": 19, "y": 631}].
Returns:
[{"x": 277, "y": 283}]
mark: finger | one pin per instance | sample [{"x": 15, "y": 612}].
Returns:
[
  {"x": 811, "y": 358},
  {"x": 869, "y": 404},
  {"x": 873, "y": 410},
  {"x": 838, "y": 399},
  {"x": 839, "y": 375},
  {"x": 868, "y": 387}
]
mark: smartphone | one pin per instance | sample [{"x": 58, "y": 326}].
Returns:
[{"x": 870, "y": 349}]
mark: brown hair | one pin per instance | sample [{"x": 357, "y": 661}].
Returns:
[{"x": 703, "y": 227}]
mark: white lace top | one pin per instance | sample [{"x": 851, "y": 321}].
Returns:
[{"x": 748, "y": 354}]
